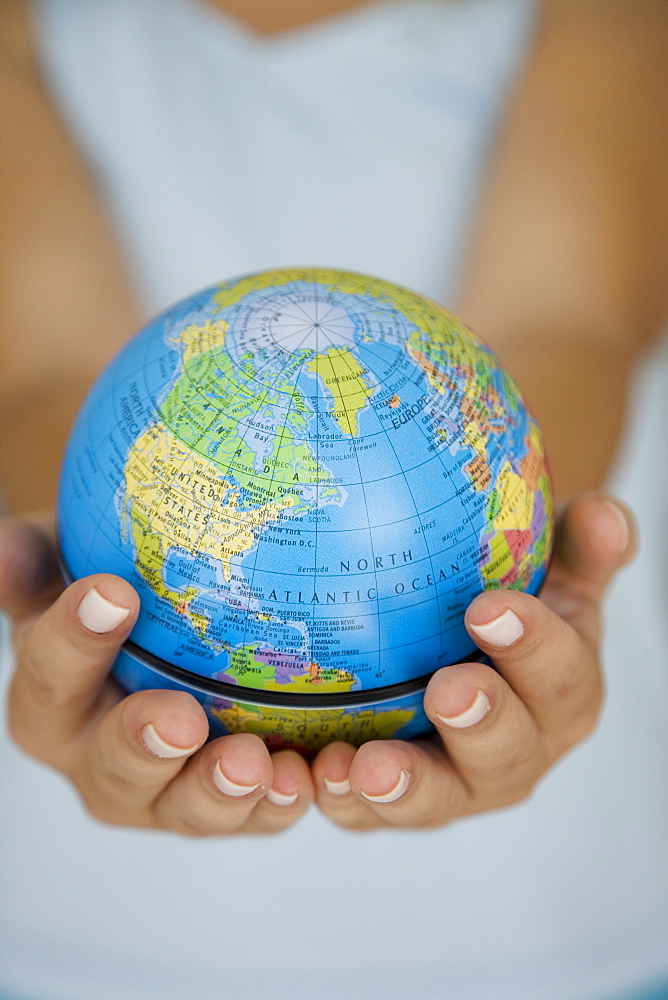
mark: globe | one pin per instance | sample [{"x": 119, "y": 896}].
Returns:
[{"x": 307, "y": 475}]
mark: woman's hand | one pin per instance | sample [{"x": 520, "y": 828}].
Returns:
[
  {"x": 139, "y": 760},
  {"x": 498, "y": 732}
]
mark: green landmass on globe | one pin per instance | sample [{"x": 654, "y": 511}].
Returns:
[{"x": 307, "y": 474}]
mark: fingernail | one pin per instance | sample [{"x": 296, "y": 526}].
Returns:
[
  {"x": 227, "y": 787},
  {"x": 161, "y": 748},
  {"x": 501, "y": 631},
  {"x": 394, "y": 793},
  {"x": 99, "y": 615},
  {"x": 622, "y": 524},
  {"x": 474, "y": 713},
  {"x": 337, "y": 787},
  {"x": 280, "y": 798}
]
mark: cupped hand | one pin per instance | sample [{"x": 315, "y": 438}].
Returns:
[
  {"x": 140, "y": 760},
  {"x": 498, "y": 731}
]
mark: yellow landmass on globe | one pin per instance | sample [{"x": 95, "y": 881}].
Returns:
[
  {"x": 250, "y": 670},
  {"x": 423, "y": 313},
  {"x": 420, "y": 309},
  {"x": 231, "y": 292},
  {"x": 474, "y": 438},
  {"x": 500, "y": 562},
  {"x": 198, "y": 338},
  {"x": 317, "y": 681},
  {"x": 533, "y": 464},
  {"x": 516, "y": 501},
  {"x": 149, "y": 560},
  {"x": 314, "y": 729},
  {"x": 175, "y": 498},
  {"x": 343, "y": 376},
  {"x": 438, "y": 380}
]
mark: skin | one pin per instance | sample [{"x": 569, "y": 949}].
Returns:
[{"x": 563, "y": 278}]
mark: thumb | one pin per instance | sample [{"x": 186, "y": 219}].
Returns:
[{"x": 596, "y": 536}]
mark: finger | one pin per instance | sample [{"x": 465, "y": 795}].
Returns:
[
  {"x": 410, "y": 785},
  {"x": 62, "y": 661},
  {"x": 334, "y": 796},
  {"x": 29, "y": 574},
  {"x": 218, "y": 789},
  {"x": 548, "y": 665},
  {"x": 289, "y": 797},
  {"x": 135, "y": 751},
  {"x": 597, "y": 533},
  {"x": 595, "y": 538},
  {"x": 487, "y": 732},
  {"x": 494, "y": 756},
  {"x": 390, "y": 784}
]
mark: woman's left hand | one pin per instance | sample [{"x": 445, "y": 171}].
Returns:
[{"x": 498, "y": 731}]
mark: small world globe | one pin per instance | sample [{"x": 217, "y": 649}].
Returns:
[{"x": 307, "y": 475}]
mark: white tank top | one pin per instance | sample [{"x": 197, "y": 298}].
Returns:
[{"x": 360, "y": 143}]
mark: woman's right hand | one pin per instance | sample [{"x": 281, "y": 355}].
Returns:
[{"x": 140, "y": 760}]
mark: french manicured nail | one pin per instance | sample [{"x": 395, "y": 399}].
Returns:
[
  {"x": 99, "y": 615},
  {"x": 280, "y": 798},
  {"x": 394, "y": 793},
  {"x": 501, "y": 631},
  {"x": 474, "y": 713},
  {"x": 227, "y": 787},
  {"x": 159, "y": 747},
  {"x": 337, "y": 787},
  {"x": 622, "y": 525}
]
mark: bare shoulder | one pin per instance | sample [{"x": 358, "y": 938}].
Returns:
[
  {"x": 65, "y": 301},
  {"x": 573, "y": 229}
]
